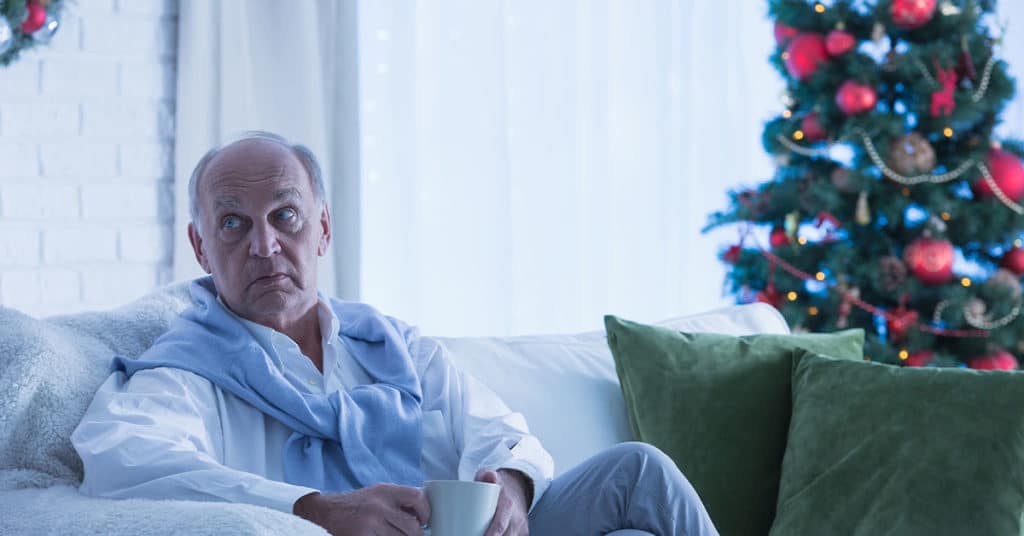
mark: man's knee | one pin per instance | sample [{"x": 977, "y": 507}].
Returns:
[{"x": 645, "y": 454}]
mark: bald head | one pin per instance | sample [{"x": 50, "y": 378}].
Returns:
[{"x": 254, "y": 154}]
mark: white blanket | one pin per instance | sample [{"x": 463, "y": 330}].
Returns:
[{"x": 49, "y": 370}]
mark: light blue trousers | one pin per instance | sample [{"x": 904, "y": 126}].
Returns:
[{"x": 631, "y": 486}]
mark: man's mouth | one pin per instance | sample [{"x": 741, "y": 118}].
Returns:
[{"x": 271, "y": 279}]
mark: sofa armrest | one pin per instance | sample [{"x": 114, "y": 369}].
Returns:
[{"x": 62, "y": 510}]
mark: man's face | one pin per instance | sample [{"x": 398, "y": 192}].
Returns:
[{"x": 260, "y": 231}]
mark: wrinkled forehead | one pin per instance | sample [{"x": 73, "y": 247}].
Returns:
[{"x": 253, "y": 169}]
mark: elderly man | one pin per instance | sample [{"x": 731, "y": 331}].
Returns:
[{"x": 270, "y": 393}]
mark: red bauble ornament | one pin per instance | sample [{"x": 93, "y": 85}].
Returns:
[
  {"x": 35, "y": 19},
  {"x": 811, "y": 127},
  {"x": 1006, "y": 171},
  {"x": 1013, "y": 261},
  {"x": 804, "y": 53},
  {"x": 930, "y": 260},
  {"x": 855, "y": 98},
  {"x": 910, "y": 14},
  {"x": 778, "y": 238},
  {"x": 998, "y": 360},
  {"x": 839, "y": 42},
  {"x": 919, "y": 358},
  {"x": 900, "y": 321},
  {"x": 784, "y": 33}
]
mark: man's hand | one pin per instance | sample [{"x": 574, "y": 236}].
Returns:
[
  {"x": 385, "y": 509},
  {"x": 510, "y": 518}
]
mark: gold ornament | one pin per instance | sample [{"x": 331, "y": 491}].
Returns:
[
  {"x": 863, "y": 214},
  {"x": 911, "y": 155}
]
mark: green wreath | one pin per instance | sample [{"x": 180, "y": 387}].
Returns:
[{"x": 25, "y": 24}]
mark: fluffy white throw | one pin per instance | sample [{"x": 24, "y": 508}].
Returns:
[{"x": 49, "y": 370}]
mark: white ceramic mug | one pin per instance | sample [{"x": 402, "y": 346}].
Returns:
[{"x": 459, "y": 507}]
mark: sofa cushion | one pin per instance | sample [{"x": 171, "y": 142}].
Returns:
[
  {"x": 880, "y": 449},
  {"x": 566, "y": 385},
  {"x": 719, "y": 406}
]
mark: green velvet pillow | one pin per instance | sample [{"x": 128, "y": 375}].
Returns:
[
  {"x": 718, "y": 405},
  {"x": 878, "y": 449}
]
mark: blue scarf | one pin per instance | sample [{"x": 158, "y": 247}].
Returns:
[{"x": 341, "y": 441}]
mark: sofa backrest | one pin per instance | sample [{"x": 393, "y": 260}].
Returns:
[{"x": 566, "y": 385}]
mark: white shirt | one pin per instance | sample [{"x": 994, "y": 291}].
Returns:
[{"x": 170, "y": 434}]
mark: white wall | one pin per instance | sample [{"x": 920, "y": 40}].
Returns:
[{"x": 86, "y": 129}]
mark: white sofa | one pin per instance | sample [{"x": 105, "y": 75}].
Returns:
[{"x": 565, "y": 385}]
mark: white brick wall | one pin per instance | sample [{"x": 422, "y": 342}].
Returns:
[{"x": 86, "y": 145}]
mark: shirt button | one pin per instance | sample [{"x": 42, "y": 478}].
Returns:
[{"x": 312, "y": 381}]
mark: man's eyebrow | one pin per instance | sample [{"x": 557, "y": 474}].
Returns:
[
  {"x": 227, "y": 202},
  {"x": 285, "y": 193}
]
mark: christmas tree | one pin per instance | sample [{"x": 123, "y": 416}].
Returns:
[{"x": 893, "y": 207}]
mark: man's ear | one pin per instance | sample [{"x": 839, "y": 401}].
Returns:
[
  {"x": 197, "y": 247},
  {"x": 325, "y": 226}
]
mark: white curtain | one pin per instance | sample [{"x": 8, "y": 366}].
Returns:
[
  {"x": 499, "y": 167},
  {"x": 529, "y": 166},
  {"x": 1011, "y": 17}
]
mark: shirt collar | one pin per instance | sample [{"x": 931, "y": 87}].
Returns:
[{"x": 329, "y": 324}]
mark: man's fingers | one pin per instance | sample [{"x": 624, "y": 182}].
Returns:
[
  {"x": 487, "y": 475},
  {"x": 520, "y": 528},
  {"x": 404, "y": 524},
  {"x": 500, "y": 521},
  {"x": 413, "y": 501}
]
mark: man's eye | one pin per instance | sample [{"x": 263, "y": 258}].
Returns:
[
  {"x": 231, "y": 222},
  {"x": 285, "y": 214}
]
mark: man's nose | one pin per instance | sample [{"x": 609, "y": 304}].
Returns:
[{"x": 263, "y": 241}]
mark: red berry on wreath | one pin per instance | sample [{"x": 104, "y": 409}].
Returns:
[{"x": 34, "y": 19}]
